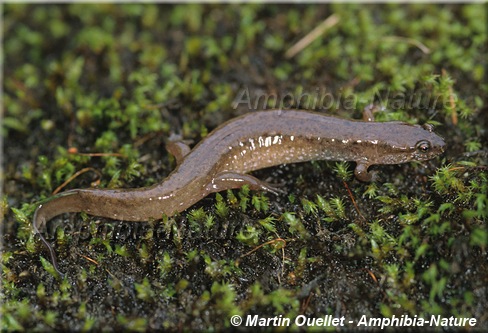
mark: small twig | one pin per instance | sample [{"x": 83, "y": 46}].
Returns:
[
  {"x": 312, "y": 35},
  {"x": 74, "y": 150},
  {"x": 306, "y": 303},
  {"x": 149, "y": 136},
  {"x": 353, "y": 201},
  {"x": 452, "y": 102},
  {"x": 70, "y": 179},
  {"x": 91, "y": 260},
  {"x": 267, "y": 243},
  {"x": 463, "y": 168},
  {"x": 372, "y": 275},
  {"x": 264, "y": 244},
  {"x": 422, "y": 47}
]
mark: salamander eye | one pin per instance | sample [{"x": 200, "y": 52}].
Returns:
[
  {"x": 428, "y": 127},
  {"x": 423, "y": 146}
]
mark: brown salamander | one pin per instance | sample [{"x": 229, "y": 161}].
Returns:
[{"x": 250, "y": 142}]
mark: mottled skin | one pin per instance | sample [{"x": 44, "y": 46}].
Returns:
[{"x": 250, "y": 142}]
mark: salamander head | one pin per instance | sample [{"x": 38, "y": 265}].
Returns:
[{"x": 410, "y": 143}]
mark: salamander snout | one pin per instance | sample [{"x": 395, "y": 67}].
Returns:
[{"x": 430, "y": 147}]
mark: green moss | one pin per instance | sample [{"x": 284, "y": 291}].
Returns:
[
  {"x": 269, "y": 224},
  {"x": 132, "y": 324},
  {"x": 220, "y": 268},
  {"x": 119, "y": 79},
  {"x": 296, "y": 226},
  {"x": 260, "y": 202},
  {"x": 221, "y": 208},
  {"x": 144, "y": 290},
  {"x": 250, "y": 235},
  {"x": 122, "y": 250}
]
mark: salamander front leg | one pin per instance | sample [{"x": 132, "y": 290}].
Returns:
[
  {"x": 361, "y": 172},
  {"x": 229, "y": 180},
  {"x": 178, "y": 148},
  {"x": 370, "y": 110}
]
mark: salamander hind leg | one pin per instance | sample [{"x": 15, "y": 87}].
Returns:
[{"x": 229, "y": 180}]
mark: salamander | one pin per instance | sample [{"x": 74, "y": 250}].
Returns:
[{"x": 253, "y": 141}]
